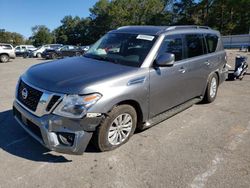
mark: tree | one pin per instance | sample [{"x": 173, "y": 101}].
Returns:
[
  {"x": 134, "y": 12},
  {"x": 107, "y": 15},
  {"x": 230, "y": 16},
  {"x": 72, "y": 31},
  {"x": 41, "y": 35},
  {"x": 99, "y": 20},
  {"x": 184, "y": 11},
  {"x": 11, "y": 37},
  {"x": 227, "y": 16}
]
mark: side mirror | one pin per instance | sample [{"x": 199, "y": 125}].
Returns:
[{"x": 165, "y": 60}]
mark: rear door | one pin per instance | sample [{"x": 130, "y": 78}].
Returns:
[
  {"x": 71, "y": 51},
  {"x": 215, "y": 56},
  {"x": 64, "y": 51},
  {"x": 196, "y": 63}
]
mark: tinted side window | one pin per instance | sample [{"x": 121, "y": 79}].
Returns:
[
  {"x": 194, "y": 45},
  {"x": 71, "y": 47},
  {"x": 6, "y": 47},
  {"x": 211, "y": 41},
  {"x": 172, "y": 44}
]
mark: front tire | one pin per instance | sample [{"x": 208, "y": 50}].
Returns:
[
  {"x": 116, "y": 129},
  {"x": 53, "y": 56},
  {"x": 212, "y": 88},
  {"x": 4, "y": 58}
]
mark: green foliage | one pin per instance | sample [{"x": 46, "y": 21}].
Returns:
[
  {"x": 184, "y": 11},
  {"x": 228, "y": 16},
  {"x": 73, "y": 30},
  {"x": 11, "y": 37},
  {"x": 41, "y": 35},
  {"x": 107, "y": 15},
  {"x": 134, "y": 12}
]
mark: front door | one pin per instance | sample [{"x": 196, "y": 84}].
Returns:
[{"x": 167, "y": 84}]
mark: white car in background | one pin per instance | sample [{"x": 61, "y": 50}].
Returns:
[
  {"x": 22, "y": 49},
  {"x": 38, "y": 52},
  {"x": 6, "y": 52}
]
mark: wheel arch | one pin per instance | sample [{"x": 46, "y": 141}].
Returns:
[
  {"x": 137, "y": 108},
  {"x": 5, "y": 54},
  {"x": 214, "y": 72},
  {"x": 218, "y": 75}
]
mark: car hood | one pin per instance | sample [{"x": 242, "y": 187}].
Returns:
[{"x": 72, "y": 75}]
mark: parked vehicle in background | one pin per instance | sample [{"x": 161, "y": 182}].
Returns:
[
  {"x": 6, "y": 52},
  {"x": 85, "y": 48},
  {"x": 64, "y": 51},
  {"x": 22, "y": 49},
  {"x": 38, "y": 52},
  {"x": 132, "y": 78}
]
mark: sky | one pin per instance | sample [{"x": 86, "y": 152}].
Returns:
[{"x": 20, "y": 15}]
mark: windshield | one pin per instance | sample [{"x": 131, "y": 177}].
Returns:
[
  {"x": 122, "y": 48},
  {"x": 39, "y": 47}
]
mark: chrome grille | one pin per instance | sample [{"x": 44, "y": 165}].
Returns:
[
  {"x": 33, "y": 96},
  {"x": 38, "y": 101}
]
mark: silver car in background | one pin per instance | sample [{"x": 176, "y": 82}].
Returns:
[{"x": 132, "y": 78}]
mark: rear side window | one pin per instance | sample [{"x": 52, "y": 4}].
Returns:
[
  {"x": 71, "y": 48},
  {"x": 212, "y": 41},
  {"x": 7, "y": 47},
  {"x": 194, "y": 45},
  {"x": 172, "y": 44}
]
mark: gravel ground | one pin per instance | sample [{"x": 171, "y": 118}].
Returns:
[{"x": 204, "y": 146}]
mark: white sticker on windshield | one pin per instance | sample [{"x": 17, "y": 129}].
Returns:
[{"x": 145, "y": 37}]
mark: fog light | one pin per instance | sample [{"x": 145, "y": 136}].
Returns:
[{"x": 66, "y": 139}]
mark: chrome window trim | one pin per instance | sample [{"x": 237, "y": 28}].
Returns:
[{"x": 43, "y": 102}]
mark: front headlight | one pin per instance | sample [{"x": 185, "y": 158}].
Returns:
[{"x": 76, "y": 106}]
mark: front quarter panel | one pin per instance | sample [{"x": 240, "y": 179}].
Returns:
[{"x": 133, "y": 86}]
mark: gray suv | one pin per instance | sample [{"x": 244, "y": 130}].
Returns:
[{"x": 132, "y": 78}]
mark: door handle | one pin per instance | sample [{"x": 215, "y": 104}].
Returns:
[{"x": 182, "y": 70}]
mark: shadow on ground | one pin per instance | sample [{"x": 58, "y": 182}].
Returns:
[{"x": 14, "y": 140}]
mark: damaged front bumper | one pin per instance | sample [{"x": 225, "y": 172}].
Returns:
[{"x": 57, "y": 133}]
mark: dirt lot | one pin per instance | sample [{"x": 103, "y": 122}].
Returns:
[{"x": 204, "y": 146}]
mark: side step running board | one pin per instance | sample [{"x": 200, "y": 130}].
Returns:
[{"x": 169, "y": 113}]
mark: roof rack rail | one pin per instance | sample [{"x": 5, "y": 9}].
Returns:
[{"x": 187, "y": 27}]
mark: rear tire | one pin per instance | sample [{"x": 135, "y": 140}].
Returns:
[
  {"x": 212, "y": 88},
  {"x": 4, "y": 58},
  {"x": 116, "y": 128},
  {"x": 25, "y": 55}
]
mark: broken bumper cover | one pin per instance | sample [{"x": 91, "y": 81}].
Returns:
[{"x": 57, "y": 133}]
